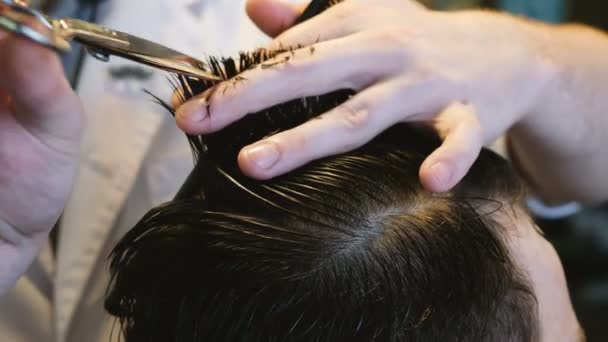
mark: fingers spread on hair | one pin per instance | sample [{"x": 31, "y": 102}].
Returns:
[
  {"x": 342, "y": 129},
  {"x": 311, "y": 71},
  {"x": 273, "y": 16},
  {"x": 463, "y": 140}
]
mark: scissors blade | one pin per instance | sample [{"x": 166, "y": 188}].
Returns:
[
  {"x": 151, "y": 53},
  {"x": 105, "y": 42}
]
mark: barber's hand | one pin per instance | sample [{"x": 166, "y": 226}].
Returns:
[
  {"x": 471, "y": 74},
  {"x": 40, "y": 131}
]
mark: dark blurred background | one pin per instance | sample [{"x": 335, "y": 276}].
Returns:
[{"x": 582, "y": 242}]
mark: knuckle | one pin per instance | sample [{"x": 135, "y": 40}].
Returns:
[
  {"x": 396, "y": 44},
  {"x": 423, "y": 70},
  {"x": 397, "y": 38},
  {"x": 290, "y": 141},
  {"x": 354, "y": 117},
  {"x": 392, "y": 36},
  {"x": 426, "y": 74}
]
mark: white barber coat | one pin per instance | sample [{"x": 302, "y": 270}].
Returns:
[{"x": 133, "y": 158}]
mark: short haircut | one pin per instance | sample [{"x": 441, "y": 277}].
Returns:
[{"x": 347, "y": 248}]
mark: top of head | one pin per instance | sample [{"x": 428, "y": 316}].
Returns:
[{"x": 350, "y": 247}]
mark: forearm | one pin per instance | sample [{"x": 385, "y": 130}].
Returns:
[{"x": 562, "y": 147}]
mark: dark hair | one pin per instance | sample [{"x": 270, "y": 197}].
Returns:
[{"x": 348, "y": 248}]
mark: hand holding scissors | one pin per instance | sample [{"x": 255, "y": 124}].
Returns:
[{"x": 41, "y": 122}]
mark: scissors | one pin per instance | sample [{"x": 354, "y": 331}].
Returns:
[{"x": 100, "y": 42}]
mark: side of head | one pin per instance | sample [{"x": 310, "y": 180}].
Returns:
[{"x": 348, "y": 248}]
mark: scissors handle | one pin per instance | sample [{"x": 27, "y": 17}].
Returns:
[{"x": 29, "y": 23}]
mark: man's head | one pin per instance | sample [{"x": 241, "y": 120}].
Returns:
[{"x": 349, "y": 248}]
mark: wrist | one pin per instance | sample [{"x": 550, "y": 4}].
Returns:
[
  {"x": 544, "y": 69},
  {"x": 554, "y": 116},
  {"x": 531, "y": 45}
]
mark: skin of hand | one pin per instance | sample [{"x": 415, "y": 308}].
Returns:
[
  {"x": 470, "y": 74},
  {"x": 561, "y": 149},
  {"x": 41, "y": 121}
]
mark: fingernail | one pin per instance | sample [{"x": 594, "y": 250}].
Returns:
[
  {"x": 265, "y": 155},
  {"x": 194, "y": 110},
  {"x": 442, "y": 173}
]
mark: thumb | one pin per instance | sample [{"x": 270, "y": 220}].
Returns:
[
  {"x": 32, "y": 76},
  {"x": 273, "y": 16},
  {"x": 463, "y": 140}
]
